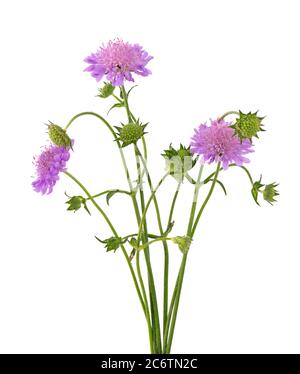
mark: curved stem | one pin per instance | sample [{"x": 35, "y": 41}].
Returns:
[
  {"x": 228, "y": 114},
  {"x": 231, "y": 165},
  {"x": 146, "y": 245},
  {"x": 91, "y": 114},
  {"x": 122, "y": 246},
  {"x": 173, "y": 203},
  {"x": 107, "y": 191}
]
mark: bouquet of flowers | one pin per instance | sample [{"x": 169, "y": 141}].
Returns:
[{"x": 225, "y": 143}]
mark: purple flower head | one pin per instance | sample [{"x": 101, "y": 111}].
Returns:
[
  {"x": 49, "y": 164},
  {"x": 218, "y": 143},
  {"x": 118, "y": 60}
]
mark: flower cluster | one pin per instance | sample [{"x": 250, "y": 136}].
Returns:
[
  {"x": 226, "y": 143},
  {"x": 218, "y": 143},
  {"x": 118, "y": 60},
  {"x": 49, "y": 164}
]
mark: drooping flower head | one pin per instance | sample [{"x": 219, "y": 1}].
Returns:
[
  {"x": 218, "y": 143},
  {"x": 49, "y": 164},
  {"x": 118, "y": 60}
]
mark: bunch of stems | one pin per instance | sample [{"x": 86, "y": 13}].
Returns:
[{"x": 160, "y": 339}]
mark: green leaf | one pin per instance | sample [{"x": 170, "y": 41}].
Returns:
[
  {"x": 219, "y": 183},
  {"x": 131, "y": 90},
  {"x": 111, "y": 193},
  {"x": 256, "y": 189},
  {"x": 117, "y": 105}
]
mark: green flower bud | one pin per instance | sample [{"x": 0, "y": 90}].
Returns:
[
  {"x": 58, "y": 136},
  {"x": 131, "y": 133},
  {"x": 106, "y": 91},
  {"x": 183, "y": 242},
  {"x": 270, "y": 192},
  {"x": 179, "y": 162},
  {"x": 111, "y": 244},
  {"x": 248, "y": 125},
  {"x": 76, "y": 202}
]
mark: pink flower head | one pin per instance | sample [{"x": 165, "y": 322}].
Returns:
[
  {"x": 118, "y": 60},
  {"x": 49, "y": 164},
  {"x": 218, "y": 143}
]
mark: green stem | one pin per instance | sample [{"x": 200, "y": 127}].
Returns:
[
  {"x": 146, "y": 245},
  {"x": 152, "y": 290},
  {"x": 231, "y": 165},
  {"x": 113, "y": 231},
  {"x": 175, "y": 292},
  {"x": 143, "y": 218},
  {"x": 190, "y": 232},
  {"x": 135, "y": 205},
  {"x": 195, "y": 199},
  {"x": 206, "y": 200},
  {"x": 117, "y": 98},
  {"x": 91, "y": 114},
  {"x": 150, "y": 332},
  {"x": 173, "y": 203},
  {"x": 153, "y": 301},
  {"x": 166, "y": 272},
  {"x": 125, "y": 98},
  {"x": 228, "y": 114},
  {"x": 107, "y": 191}
]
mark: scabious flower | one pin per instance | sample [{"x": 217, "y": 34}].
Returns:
[
  {"x": 218, "y": 143},
  {"x": 49, "y": 164},
  {"x": 118, "y": 60}
]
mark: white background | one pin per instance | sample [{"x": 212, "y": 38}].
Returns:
[{"x": 59, "y": 291}]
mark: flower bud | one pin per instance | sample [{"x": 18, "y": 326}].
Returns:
[
  {"x": 248, "y": 125},
  {"x": 178, "y": 162},
  {"x": 130, "y": 133},
  {"x": 111, "y": 244},
  {"x": 183, "y": 242},
  {"x": 270, "y": 192},
  {"x": 106, "y": 91},
  {"x": 58, "y": 136}
]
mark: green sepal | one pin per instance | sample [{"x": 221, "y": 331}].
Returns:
[
  {"x": 133, "y": 242},
  {"x": 106, "y": 91},
  {"x": 130, "y": 133},
  {"x": 59, "y": 136},
  {"x": 76, "y": 202},
  {"x": 247, "y": 125},
  {"x": 179, "y": 161},
  {"x": 183, "y": 242},
  {"x": 270, "y": 192},
  {"x": 112, "y": 243}
]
